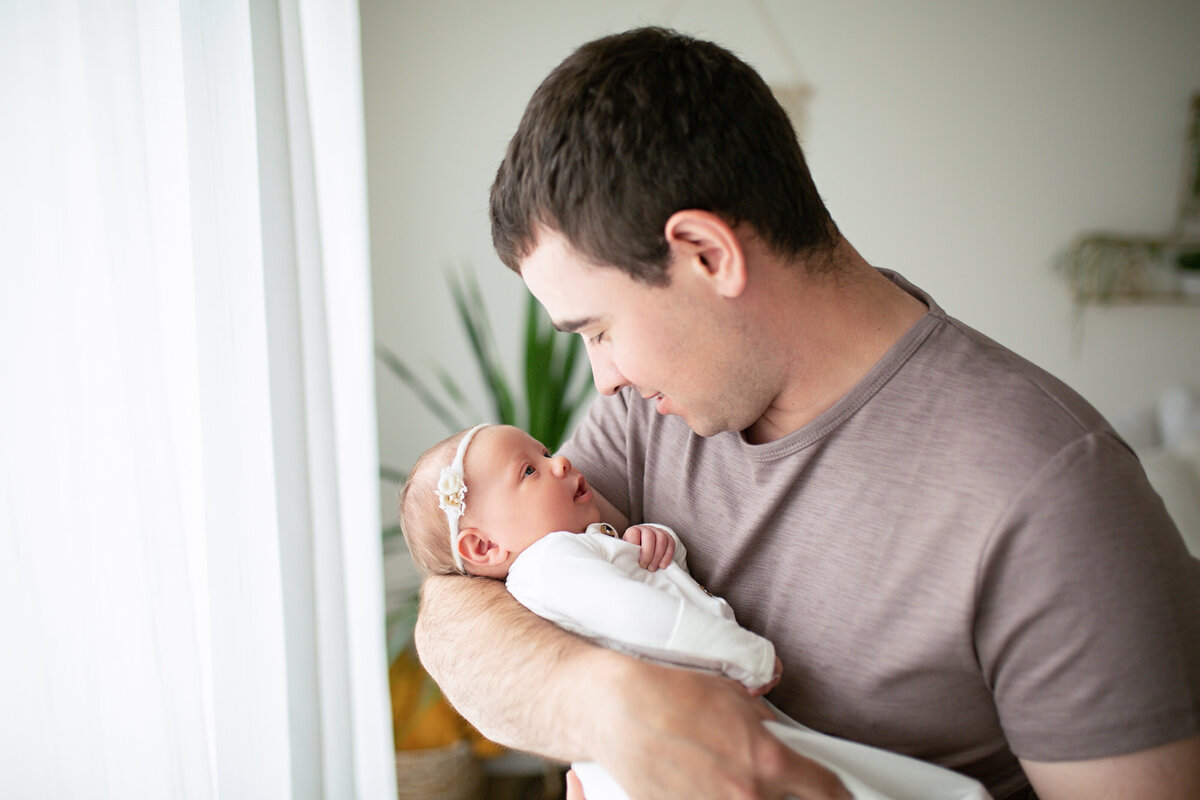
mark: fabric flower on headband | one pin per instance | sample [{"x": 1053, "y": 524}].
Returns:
[{"x": 452, "y": 491}]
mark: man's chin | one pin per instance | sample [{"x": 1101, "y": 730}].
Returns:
[
  {"x": 707, "y": 427},
  {"x": 698, "y": 425}
]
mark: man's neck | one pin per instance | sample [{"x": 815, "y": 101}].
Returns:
[{"x": 834, "y": 328}]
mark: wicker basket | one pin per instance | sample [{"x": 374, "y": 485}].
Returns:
[{"x": 442, "y": 773}]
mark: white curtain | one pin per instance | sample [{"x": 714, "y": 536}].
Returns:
[{"x": 191, "y": 600}]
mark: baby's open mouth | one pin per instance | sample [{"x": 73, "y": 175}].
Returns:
[{"x": 582, "y": 489}]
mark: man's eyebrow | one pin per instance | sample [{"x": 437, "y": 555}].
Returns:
[{"x": 573, "y": 325}]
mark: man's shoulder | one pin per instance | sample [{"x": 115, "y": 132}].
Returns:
[
  {"x": 965, "y": 375},
  {"x": 970, "y": 383}
]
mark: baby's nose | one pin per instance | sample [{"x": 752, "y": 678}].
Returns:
[{"x": 561, "y": 466}]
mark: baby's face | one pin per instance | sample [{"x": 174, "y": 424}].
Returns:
[{"x": 517, "y": 492}]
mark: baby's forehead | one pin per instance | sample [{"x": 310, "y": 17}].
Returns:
[
  {"x": 507, "y": 440},
  {"x": 500, "y": 444}
]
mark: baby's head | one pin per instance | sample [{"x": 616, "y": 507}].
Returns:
[{"x": 484, "y": 495}]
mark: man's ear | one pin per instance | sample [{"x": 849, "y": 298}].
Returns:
[
  {"x": 706, "y": 242},
  {"x": 475, "y": 548}
]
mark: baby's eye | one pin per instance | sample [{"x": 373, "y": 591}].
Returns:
[{"x": 529, "y": 470}]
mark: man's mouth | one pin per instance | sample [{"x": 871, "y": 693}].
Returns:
[{"x": 659, "y": 400}]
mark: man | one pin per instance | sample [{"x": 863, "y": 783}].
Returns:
[{"x": 954, "y": 554}]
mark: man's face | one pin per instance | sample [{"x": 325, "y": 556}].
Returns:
[{"x": 676, "y": 345}]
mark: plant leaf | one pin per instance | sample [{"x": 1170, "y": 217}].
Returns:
[
  {"x": 473, "y": 314},
  {"x": 418, "y": 387},
  {"x": 541, "y": 380},
  {"x": 392, "y": 475},
  {"x": 454, "y": 391}
]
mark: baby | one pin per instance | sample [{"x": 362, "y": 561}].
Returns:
[
  {"x": 520, "y": 494},
  {"x": 531, "y": 520}
]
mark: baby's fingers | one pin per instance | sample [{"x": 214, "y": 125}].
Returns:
[
  {"x": 574, "y": 786},
  {"x": 668, "y": 551},
  {"x": 648, "y": 558},
  {"x": 658, "y": 553},
  {"x": 657, "y": 546}
]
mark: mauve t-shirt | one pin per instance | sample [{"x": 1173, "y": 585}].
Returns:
[{"x": 959, "y": 561}]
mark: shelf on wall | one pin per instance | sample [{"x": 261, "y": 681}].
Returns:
[{"x": 1111, "y": 269}]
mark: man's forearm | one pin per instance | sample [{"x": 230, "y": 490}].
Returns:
[
  {"x": 660, "y": 731},
  {"x": 514, "y": 676}
]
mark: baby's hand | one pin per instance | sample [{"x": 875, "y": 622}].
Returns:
[
  {"x": 766, "y": 687},
  {"x": 658, "y": 548}
]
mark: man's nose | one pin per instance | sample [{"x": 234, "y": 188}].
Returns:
[{"x": 607, "y": 377}]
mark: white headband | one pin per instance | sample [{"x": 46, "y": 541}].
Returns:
[{"x": 452, "y": 492}]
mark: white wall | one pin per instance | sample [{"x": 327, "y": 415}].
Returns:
[{"x": 964, "y": 144}]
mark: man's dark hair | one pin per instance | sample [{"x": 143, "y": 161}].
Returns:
[{"x": 633, "y": 127}]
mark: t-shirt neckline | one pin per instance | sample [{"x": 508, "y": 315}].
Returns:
[{"x": 861, "y": 392}]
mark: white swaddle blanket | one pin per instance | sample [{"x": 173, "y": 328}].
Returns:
[{"x": 591, "y": 584}]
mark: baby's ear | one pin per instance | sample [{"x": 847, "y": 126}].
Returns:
[{"x": 475, "y": 548}]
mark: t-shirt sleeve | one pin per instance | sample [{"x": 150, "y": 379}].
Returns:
[
  {"x": 568, "y": 580},
  {"x": 1088, "y": 621}
]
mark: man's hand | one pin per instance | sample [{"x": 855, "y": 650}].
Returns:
[
  {"x": 658, "y": 547},
  {"x": 686, "y": 734}
]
